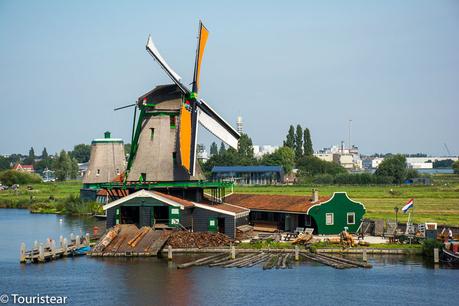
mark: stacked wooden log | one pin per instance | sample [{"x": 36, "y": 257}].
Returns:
[{"x": 182, "y": 239}]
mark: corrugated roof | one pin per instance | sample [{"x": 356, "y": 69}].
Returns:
[
  {"x": 247, "y": 169},
  {"x": 284, "y": 203},
  {"x": 226, "y": 207}
]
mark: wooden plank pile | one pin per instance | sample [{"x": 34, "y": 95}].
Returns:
[
  {"x": 128, "y": 240},
  {"x": 183, "y": 239}
]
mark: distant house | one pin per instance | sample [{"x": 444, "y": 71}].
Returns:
[
  {"x": 24, "y": 168},
  {"x": 249, "y": 175},
  {"x": 326, "y": 215}
]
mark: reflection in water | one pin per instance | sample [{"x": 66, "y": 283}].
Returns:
[{"x": 151, "y": 281}]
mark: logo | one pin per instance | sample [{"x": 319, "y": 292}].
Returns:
[{"x": 4, "y": 298}]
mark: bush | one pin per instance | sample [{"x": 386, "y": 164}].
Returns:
[
  {"x": 11, "y": 177},
  {"x": 73, "y": 205},
  {"x": 325, "y": 179},
  {"x": 429, "y": 245}
]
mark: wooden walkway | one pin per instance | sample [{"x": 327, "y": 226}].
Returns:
[
  {"x": 48, "y": 251},
  {"x": 127, "y": 240}
]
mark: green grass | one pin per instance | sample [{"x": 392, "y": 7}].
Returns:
[
  {"x": 436, "y": 203},
  {"x": 41, "y": 193},
  {"x": 50, "y": 198}
]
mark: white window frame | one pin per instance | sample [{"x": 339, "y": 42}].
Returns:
[
  {"x": 332, "y": 218},
  {"x": 353, "y": 217}
]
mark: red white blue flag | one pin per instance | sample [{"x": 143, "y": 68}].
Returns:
[{"x": 408, "y": 205}]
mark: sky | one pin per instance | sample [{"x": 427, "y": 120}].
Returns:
[{"x": 392, "y": 67}]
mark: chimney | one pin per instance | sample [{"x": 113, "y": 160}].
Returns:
[
  {"x": 107, "y": 135},
  {"x": 315, "y": 195}
]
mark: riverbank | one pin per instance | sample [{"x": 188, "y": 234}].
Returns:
[{"x": 435, "y": 203}]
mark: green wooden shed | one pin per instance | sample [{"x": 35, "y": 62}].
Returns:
[{"x": 338, "y": 212}]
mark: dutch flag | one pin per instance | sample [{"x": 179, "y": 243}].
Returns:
[{"x": 408, "y": 205}]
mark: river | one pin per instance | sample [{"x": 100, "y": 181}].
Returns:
[{"x": 151, "y": 281}]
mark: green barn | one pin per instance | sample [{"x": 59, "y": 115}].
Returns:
[{"x": 327, "y": 215}]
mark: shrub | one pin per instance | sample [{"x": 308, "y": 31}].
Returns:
[
  {"x": 325, "y": 179},
  {"x": 429, "y": 245},
  {"x": 11, "y": 177}
]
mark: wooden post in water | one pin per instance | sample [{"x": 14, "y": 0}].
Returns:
[
  {"x": 65, "y": 247},
  {"x": 436, "y": 255},
  {"x": 41, "y": 253},
  {"x": 233, "y": 252},
  {"x": 364, "y": 255},
  {"x": 61, "y": 242},
  {"x": 52, "y": 246},
  {"x": 169, "y": 252},
  {"x": 72, "y": 237},
  {"x": 22, "y": 257},
  {"x": 297, "y": 253},
  {"x": 77, "y": 242},
  {"x": 87, "y": 239},
  {"x": 35, "y": 245}
]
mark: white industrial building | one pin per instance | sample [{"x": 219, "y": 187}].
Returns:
[{"x": 260, "y": 150}]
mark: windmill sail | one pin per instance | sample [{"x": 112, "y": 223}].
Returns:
[
  {"x": 217, "y": 125},
  {"x": 151, "y": 48},
  {"x": 202, "y": 41}
]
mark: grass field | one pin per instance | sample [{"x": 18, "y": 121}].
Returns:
[{"x": 437, "y": 203}]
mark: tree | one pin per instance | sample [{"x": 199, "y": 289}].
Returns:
[
  {"x": 30, "y": 160},
  {"x": 213, "y": 149},
  {"x": 65, "y": 166},
  {"x": 290, "y": 139},
  {"x": 245, "y": 146},
  {"x": 393, "y": 166},
  {"x": 222, "y": 149},
  {"x": 81, "y": 152},
  {"x": 307, "y": 144},
  {"x": 283, "y": 156},
  {"x": 311, "y": 165},
  {"x": 44, "y": 154},
  {"x": 456, "y": 167},
  {"x": 299, "y": 142},
  {"x": 4, "y": 163}
]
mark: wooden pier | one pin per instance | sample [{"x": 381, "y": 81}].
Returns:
[{"x": 45, "y": 252}]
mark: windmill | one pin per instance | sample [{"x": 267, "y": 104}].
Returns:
[{"x": 164, "y": 138}]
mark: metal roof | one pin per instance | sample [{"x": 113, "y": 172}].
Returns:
[{"x": 216, "y": 169}]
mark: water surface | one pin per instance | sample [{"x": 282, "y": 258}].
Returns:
[{"x": 394, "y": 280}]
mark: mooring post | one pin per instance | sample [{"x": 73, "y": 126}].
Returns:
[
  {"x": 77, "y": 241},
  {"x": 364, "y": 255},
  {"x": 41, "y": 253},
  {"x": 297, "y": 253},
  {"x": 35, "y": 245},
  {"x": 65, "y": 247},
  {"x": 436, "y": 255},
  {"x": 233, "y": 252},
  {"x": 169, "y": 252},
  {"x": 22, "y": 257},
  {"x": 61, "y": 242},
  {"x": 52, "y": 246},
  {"x": 72, "y": 237},
  {"x": 87, "y": 239}
]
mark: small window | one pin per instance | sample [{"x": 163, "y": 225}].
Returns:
[
  {"x": 143, "y": 177},
  {"x": 174, "y": 157},
  {"x": 117, "y": 171},
  {"x": 152, "y": 133},
  {"x": 172, "y": 121},
  {"x": 350, "y": 218},
  {"x": 329, "y": 218},
  {"x": 98, "y": 172}
]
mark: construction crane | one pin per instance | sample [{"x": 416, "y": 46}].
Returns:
[{"x": 447, "y": 150}]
